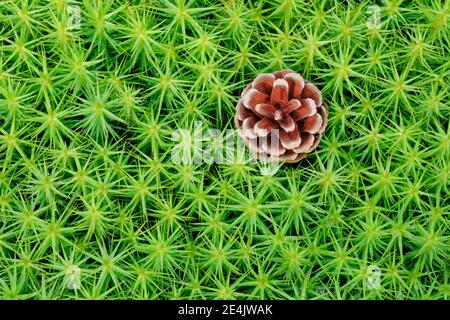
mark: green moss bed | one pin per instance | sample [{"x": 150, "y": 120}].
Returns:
[{"x": 92, "y": 205}]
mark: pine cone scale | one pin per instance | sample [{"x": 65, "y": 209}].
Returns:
[
  {"x": 311, "y": 91},
  {"x": 248, "y": 127},
  {"x": 254, "y": 97},
  {"x": 290, "y": 140},
  {"x": 242, "y": 112},
  {"x": 266, "y": 110},
  {"x": 265, "y": 125},
  {"x": 280, "y": 93},
  {"x": 296, "y": 84},
  {"x": 264, "y": 83},
  {"x": 312, "y": 124},
  {"x": 292, "y": 105},
  {"x": 307, "y": 142}
]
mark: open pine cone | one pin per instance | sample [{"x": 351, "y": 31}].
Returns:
[{"x": 281, "y": 116}]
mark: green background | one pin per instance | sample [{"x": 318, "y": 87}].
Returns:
[{"x": 91, "y": 205}]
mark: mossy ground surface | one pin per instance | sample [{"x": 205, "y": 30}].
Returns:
[{"x": 92, "y": 205}]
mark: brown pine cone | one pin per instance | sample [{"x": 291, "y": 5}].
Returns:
[{"x": 285, "y": 107}]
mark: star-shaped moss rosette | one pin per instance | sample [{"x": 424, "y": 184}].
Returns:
[{"x": 281, "y": 116}]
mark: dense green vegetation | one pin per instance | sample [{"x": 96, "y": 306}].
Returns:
[{"x": 92, "y": 205}]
